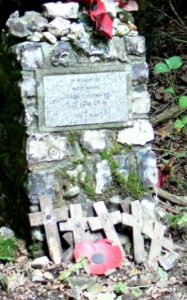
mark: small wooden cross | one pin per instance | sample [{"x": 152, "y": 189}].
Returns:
[
  {"x": 135, "y": 221},
  {"x": 106, "y": 221},
  {"x": 77, "y": 223},
  {"x": 48, "y": 217}
]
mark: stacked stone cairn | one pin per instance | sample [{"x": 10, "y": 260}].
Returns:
[{"x": 80, "y": 166}]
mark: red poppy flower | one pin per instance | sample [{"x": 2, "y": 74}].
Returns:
[{"x": 102, "y": 255}]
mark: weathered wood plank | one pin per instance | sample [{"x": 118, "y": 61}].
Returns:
[
  {"x": 156, "y": 245},
  {"x": 106, "y": 221},
  {"x": 77, "y": 223},
  {"x": 47, "y": 218}
]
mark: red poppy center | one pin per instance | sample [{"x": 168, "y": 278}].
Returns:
[{"x": 98, "y": 258}]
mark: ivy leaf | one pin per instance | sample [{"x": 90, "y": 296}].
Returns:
[
  {"x": 174, "y": 62},
  {"x": 170, "y": 90},
  {"x": 178, "y": 124},
  {"x": 183, "y": 102},
  {"x": 161, "y": 68},
  {"x": 120, "y": 288}
]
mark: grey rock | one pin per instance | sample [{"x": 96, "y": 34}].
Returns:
[
  {"x": 140, "y": 100},
  {"x": 47, "y": 147},
  {"x": 94, "y": 140},
  {"x": 30, "y": 55},
  {"x": 40, "y": 262},
  {"x": 43, "y": 183},
  {"x": 50, "y": 37},
  {"x": 81, "y": 40},
  {"x": 25, "y": 25},
  {"x": 140, "y": 72},
  {"x": 122, "y": 161},
  {"x": 28, "y": 87},
  {"x": 148, "y": 210},
  {"x": 35, "y": 37},
  {"x": 75, "y": 172},
  {"x": 37, "y": 276},
  {"x": 169, "y": 260},
  {"x": 59, "y": 26},
  {"x": 6, "y": 232},
  {"x": 34, "y": 208},
  {"x": 81, "y": 282},
  {"x": 103, "y": 177},
  {"x": 72, "y": 192},
  {"x": 119, "y": 45},
  {"x": 30, "y": 114},
  {"x": 135, "y": 45},
  {"x": 60, "y": 54},
  {"x": 122, "y": 29},
  {"x": 115, "y": 199},
  {"x": 139, "y": 134},
  {"x": 37, "y": 235},
  {"x": 59, "y": 9},
  {"x": 148, "y": 171}
]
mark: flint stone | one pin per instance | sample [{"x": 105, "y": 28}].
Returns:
[
  {"x": 168, "y": 261},
  {"x": 60, "y": 54},
  {"x": 50, "y": 37},
  {"x": 140, "y": 72},
  {"x": 122, "y": 161},
  {"x": 135, "y": 45},
  {"x": 35, "y": 37},
  {"x": 30, "y": 55},
  {"x": 35, "y": 21},
  {"x": 72, "y": 192},
  {"x": 148, "y": 171},
  {"x": 59, "y": 9},
  {"x": 28, "y": 87},
  {"x": 40, "y": 262},
  {"x": 122, "y": 30},
  {"x": 139, "y": 134},
  {"x": 30, "y": 114},
  {"x": 103, "y": 176},
  {"x": 42, "y": 184},
  {"x": 6, "y": 232},
  {"x": 46, "y": 147},
  {"x": 59, "y": 26},
  {"x": 140, "y": 100},
  {"x": 94, "y": 140}
]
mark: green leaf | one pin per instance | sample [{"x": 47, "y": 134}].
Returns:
[
  {"x": 162, "y": 274},
  {"x": 64, "y": 275},
  {"x": 184, "y": 120},
  {"x": 183, "y": 220},
  {"x": 183, "y": 102},
  {"x": 178, "y": 124},
  {"x": 161, "y": 68},
  {"x": 136, "y": 292},
  {"x": 170, "y": 90},
  {"x": 174, "y": 62},
  {"x": 120, "y": 288}
]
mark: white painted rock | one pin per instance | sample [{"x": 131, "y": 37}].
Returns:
[
  {"x": 103, "y": 176},
  {"x": 94, "y": 140},
  {"x": 59, "y": 9},
  {"x": 139, "y": 134},
  {"x": 59, "y": 26}
]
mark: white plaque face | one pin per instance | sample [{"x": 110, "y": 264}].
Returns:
[{"x": 85, "y": 99}]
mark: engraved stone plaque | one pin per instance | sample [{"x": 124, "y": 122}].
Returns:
[{"x": 85, "y": 99}]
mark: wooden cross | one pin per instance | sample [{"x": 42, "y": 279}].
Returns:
[
  {"x": 48, "y": 217},
  {"x": 135, "y": 221},
  {"x": 106, "y": 221},
  {"x": 77, "y": 223}
]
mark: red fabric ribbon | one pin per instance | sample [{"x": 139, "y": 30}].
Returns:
[{"x": 98, "y": 14}]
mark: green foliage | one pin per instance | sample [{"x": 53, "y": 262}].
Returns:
[
  {"x": 168, "y": 68},
  {"x": 177, "y": 221},
  {"x": 81, "y": 263},
  {"x": 120, "y": 288},
  {"x": 7, "y": 249},
  {"x": 88, "y": 187},
  {"x": 136, "y": 292}
]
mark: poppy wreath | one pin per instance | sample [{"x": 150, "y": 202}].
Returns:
[{"x": 103, "y": 255}]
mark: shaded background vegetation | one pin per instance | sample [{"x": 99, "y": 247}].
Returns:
[{"x": 160, "y": 21}]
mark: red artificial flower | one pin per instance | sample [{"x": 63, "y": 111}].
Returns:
[{"x": 102, "y": 255}]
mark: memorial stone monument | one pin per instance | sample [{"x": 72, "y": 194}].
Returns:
[{"x": 86, "y": 107}]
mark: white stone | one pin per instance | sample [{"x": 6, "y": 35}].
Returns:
[
  {"x": 110, "y": 7},
  {"x": 59, "y": 9},
  {"x": 140, "y": 102},
  {"x": 147, "y": 167},
  {"x": 76, "y": 30},
  {"x": 48, "y": 276},
  {"x": 94, "y": 140},
  {"x": 35, "y": 37},
  {"x": 168, "y": 260},
  {"x": 122, "y": 30},
  {"x": 133, "y": 33},
  {"x": 50, "y": 37},
  {"x": 72, "y": 192},
  {"x": 37, "y": 235},
  {"x": 75, "y": 172},
  {"x": 139, "y": 134},
  {"x": 103, "y": 176},
  {"x": 28, "y": 87},
  {"x": 40, "y": 262},
  {"x": 59, "y": 26},
  {"x": 37, "y": 276},
  {"x": 46, "y": 147},
  {"x": 6, "y": 232}
]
